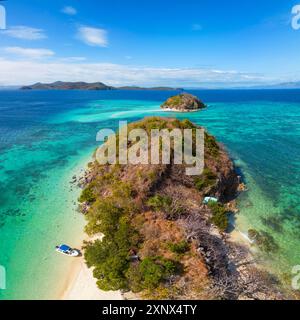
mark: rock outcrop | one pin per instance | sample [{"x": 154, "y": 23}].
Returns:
[{"x": 184, "y": 102}]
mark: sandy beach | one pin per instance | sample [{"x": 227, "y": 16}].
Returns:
[
  {"x": 81, "y": 285},
  {"x": 180, "y": 111}
]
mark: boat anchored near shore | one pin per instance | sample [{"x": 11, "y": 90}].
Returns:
[{"x": 65, "y": 249}]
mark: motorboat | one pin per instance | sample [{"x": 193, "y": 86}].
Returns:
[{"x": 65, "y": 249}]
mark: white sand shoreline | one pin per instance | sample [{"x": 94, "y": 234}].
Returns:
[
  {"x": 179, "y": 111},
  {"x": 81, "y": 284}
]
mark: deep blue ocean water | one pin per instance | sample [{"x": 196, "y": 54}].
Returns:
[{"x": 47, "y": 136}]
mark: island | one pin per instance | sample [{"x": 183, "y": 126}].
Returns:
[
  {"x": 184, "y": 102},
  {"x": 61, "y": 85},
  {"x": 164, "y": 233}
]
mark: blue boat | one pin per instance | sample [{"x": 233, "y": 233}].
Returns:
[{"x": 65, "y": 249}]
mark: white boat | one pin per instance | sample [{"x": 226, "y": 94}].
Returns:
[
  {"x": 210, "y": 199},
  {"x": 64, "y": 249}
]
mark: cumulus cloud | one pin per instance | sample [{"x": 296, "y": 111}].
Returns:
[
  {"x": 29, "y": 53},
  {"x": 93, "y": 36},
  {"x": 27, "y": 72},
  {"x": 71, "y": 11},
  {"x": 25, "y": 33}
]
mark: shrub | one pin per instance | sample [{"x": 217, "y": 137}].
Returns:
[
  {"x": 179, "y": 248},
  {"x": 152, "y": 175},
  {"x": 176, "y": 124},
  {"x": 174, "y": 101},
  {"x": 134, "y": 278},
  {"x": 219, "y": 215},
  {"x": 211, "y": 145},
  {"x": 159, "y": 203},
  {"x": 207, "y": 179},
  {"x": 87, "y": 195},
  {"x": 111, "y": 273},
  {"x": 110, "y": 257},
  {"x": 152, "y": 273},
  {"x": 187, "y": 124},
  {"x": 154, "y": 270},
  {"x": 104, "y": 217}
]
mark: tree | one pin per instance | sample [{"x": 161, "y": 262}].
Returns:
[{"x": 219, "y": 215}]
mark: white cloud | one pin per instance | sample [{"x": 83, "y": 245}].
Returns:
[
  {"x": 25, "y": 33},
  {"x": 196, "y": 27},
  {"x": 29, "y": 53},
  {"x": 93, "y": 36},
  {"x": 71, "y": 11},
  {"x": 28, "y": 72},
  {"x": 73, "y": 59}
]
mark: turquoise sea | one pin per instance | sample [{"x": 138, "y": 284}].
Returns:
[{"x": 48, "y": 136}]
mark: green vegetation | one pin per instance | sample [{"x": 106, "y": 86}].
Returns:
[
  {"x": 211, "y": 145},
  {"x": 179, "y": 248},
  {"x": 149, "y": 124},
  {"x": 206, "y": 180},
  {"x": 159, "y": 203},
  {"x": 149, "y": 273},
  {"x": 172, "y": 209},
  {"x": 111, "y": 256},
  {"x": 111, "y": 217},
  {"x": 174, "y": 101},
  {"x": 187, "y": 124},
  {"x": 219, "y": 215},
  {"x": 87, "y": 195}
]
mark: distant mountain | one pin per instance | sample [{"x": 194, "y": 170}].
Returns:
[
  {"x": 283, "y": 85},
  {"x": 60, "y": 85},
  {"x": 9, "y": 87},
  {"x": 152, "y": 88},
  {"x": 289, "y": 85}
]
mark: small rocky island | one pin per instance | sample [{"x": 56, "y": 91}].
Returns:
[
  {"x": 184, "y": 102},
  {"x": 162, "y": 240}
]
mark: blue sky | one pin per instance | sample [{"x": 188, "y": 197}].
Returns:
[{"x": 157, "y": 42}]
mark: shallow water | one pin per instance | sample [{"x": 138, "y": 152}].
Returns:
[{"x": 46, "y": 137}]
